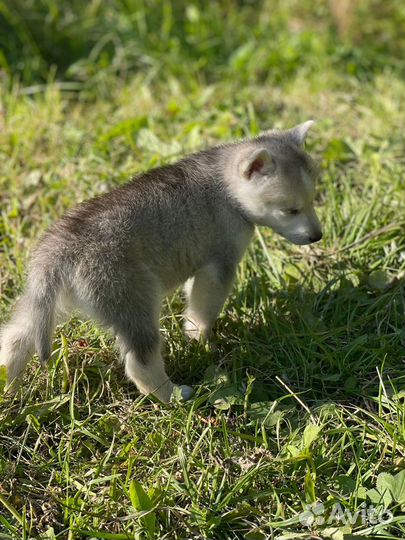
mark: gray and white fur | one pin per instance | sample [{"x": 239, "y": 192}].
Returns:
[{"x": 113, "y": 258}]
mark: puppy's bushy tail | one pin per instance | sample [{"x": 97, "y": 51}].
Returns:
[{"x": 31, "y": 326}]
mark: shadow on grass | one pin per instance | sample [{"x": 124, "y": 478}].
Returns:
[{"x": 329, "y": 345}]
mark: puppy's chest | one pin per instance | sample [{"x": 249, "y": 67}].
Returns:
[
  {"x": 180, "y": 259},
  {"x": 186, "y": 254}
]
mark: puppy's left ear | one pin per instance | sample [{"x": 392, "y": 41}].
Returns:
[
  {"x": 257, "y": 162},
  {"x": 298, "y": 134}
]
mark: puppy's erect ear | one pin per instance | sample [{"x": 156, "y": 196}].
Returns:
[
  {"x": 298, "y": 134},
  {"x": 258, "y": 161}
]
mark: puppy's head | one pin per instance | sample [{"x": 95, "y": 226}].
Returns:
[{"x": 276, "y": 184}]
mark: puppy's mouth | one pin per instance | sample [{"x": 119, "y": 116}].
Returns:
[
  {"x": 308, "y": 240},
  {"x": 304, "y": 240}
]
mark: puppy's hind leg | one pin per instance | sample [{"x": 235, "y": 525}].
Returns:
[
  {"x": 137, "y": 329},
  {"x": 146, "y": 369},
  {"x": 144, "y": 365},
  {"x": 129, "y": 303}
]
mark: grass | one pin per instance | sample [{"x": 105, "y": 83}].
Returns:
[{"x": 302, "y": 400}]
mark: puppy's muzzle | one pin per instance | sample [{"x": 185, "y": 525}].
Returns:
[{"x": 315, "y": 237}]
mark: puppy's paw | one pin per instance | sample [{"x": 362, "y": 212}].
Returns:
[
  {"x": 182, "y": 392},
  {"x": 194, "y": 330}
]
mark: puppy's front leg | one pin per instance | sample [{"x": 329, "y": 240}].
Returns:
[{"x": 206, "y": 293}]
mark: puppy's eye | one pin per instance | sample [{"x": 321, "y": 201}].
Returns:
[{"x": 292, "y": 211}]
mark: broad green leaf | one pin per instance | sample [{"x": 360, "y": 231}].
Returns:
[
  {"x": 345, "y": 484},
  {"x": 142, "y": 503},
  {"x": 379, "y": 280},
  {"x": 309, "y": 487},
  {"x": 392, "y": 487},
  {"x": 262, "y": 411},
  {"x": 296, "y": 454},
  {"x": 226, "y": 396},
  {"x": 377, "y": 498},
  {"x": 256, "y": 534},
  {"x": 336, "y": 533},
  {"x": 311, "y": 433},
  {"x": 50, "y": 533},
  {"x": 383, "y": 488},
  {"x": 139, "y": 498},
  {"x": 361, "y": 493},
  {"x": 398, "y": 487},
  {"x": 213, "y": 375},
  {"x": 293, "y": 450}
]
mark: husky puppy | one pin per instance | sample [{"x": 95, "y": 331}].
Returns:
[{"x": 113, "y": 258}]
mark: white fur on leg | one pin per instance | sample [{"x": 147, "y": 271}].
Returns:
[
  {"x": 16, "y": 347},
  {"x": 150, "y": 378},
  {"x": 193, "y": 329},
  {"x": 206, "y": 293}
]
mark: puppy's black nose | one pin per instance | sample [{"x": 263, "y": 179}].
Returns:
[{"x": 315, "y": 237}]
